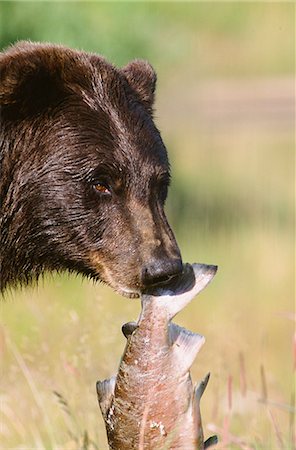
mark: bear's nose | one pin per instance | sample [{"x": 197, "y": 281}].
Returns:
[{"x": 160, "y": 270}]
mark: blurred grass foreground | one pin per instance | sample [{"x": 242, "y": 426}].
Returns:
[{"x": 225, "y": 107}]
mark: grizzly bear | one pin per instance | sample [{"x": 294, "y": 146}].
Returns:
[{"x": 84, "y": 171}]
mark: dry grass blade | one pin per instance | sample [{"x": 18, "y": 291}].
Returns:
[
  {"x": 63, "y": 402},
  {"x": 69, "y": 417},
  {"x": 294, "y": 352},
  {"x": 80, "y": 438},
  {"x": 264, "y": 394},
  {"x": 292, "y": 432},
  {"x": 12, "y": 419},
  {"x": 277, "y": 430},
  {"x": 35, "y": 393},
  {"x": 242, "y": 373},
  {"x": 229, "y": 391}
]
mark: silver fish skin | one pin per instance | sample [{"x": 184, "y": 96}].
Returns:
[{"x": 152, "y": 403}]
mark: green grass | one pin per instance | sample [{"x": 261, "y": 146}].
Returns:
[{"x": 203, "y": 37}]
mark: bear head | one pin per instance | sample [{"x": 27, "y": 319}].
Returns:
[{"x": 84, "y": 171}]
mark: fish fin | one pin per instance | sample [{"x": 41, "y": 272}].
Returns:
[
  {"x": 200, "y": 388},
  {"x": 174, "y": 332},
  {"x": 213, "y": 440},
  {"x": 105, "y": 392},
  {"x": 185, "y": 345},
  {"x": 176, "y": 295},
  {"x": 195, "y": 405},
  {"x": 128, "y": 328}
]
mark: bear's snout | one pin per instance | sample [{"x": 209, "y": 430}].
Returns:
[{"x": 160, "y": 270}]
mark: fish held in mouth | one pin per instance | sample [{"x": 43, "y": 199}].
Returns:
[{"x": 151, "y": 403}]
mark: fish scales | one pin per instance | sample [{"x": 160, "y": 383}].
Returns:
[{"x": 152, "y": 403}]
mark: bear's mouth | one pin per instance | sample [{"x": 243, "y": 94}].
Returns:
[
  {"x": 153, "y": 288},
  {"x": 135, "y": 289},
  {"x": 127, "y": 293}
]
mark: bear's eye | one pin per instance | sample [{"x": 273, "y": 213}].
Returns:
[{"x": 102, "y": 188}]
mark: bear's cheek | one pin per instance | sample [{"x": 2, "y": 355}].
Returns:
[
  {"x": 116, "y": 254},
  {"x": 119, "y": 272}
]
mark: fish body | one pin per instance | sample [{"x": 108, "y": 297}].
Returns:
[{"x": 152, "y": 403}]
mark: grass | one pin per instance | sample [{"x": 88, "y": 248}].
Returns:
[{"x": 65, "y": 335}]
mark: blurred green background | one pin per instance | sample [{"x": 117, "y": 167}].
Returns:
[{"x": 225, "y": 107}]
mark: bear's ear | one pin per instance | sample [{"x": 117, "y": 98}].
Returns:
[
  {"x": 31, "y": 79},
  {"x": 142, "y": 78}
]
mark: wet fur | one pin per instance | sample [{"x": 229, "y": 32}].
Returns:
[{"x": 70, "y": 120}]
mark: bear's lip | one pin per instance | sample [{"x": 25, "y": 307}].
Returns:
[
  {"x": 129, "y": 293},
  {"x": 134, "y": 293}
]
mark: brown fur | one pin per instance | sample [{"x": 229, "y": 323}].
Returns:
[{"x": 84, "y": 172}]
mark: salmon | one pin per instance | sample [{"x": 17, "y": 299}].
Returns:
[{"x": 152, "y": 403}]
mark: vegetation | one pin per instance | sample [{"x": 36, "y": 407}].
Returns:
[{"x": 225, "y": 109}]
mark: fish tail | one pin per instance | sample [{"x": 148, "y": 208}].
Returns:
[{"x": 213, "y": 440}]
